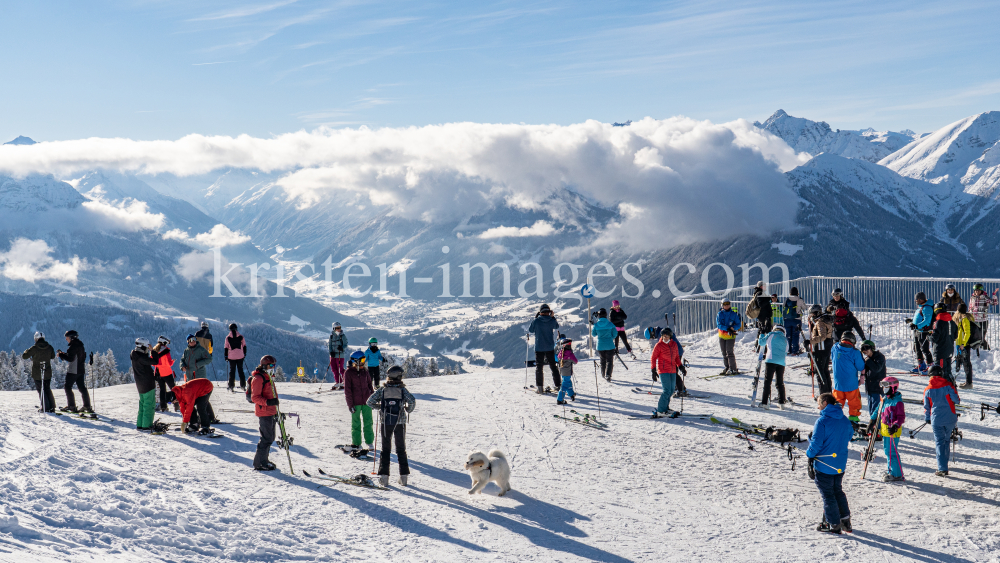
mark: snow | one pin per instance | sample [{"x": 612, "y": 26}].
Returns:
[
  {"x": 645, "y": 490},
  {"x": 813, "y": 137},
  {"x": 787, "y": 249}
]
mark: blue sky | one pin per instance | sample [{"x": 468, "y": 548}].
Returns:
[{"x": 159, "y": 70}]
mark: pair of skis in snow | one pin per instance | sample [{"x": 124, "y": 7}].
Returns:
[
  {"x": 359, "y": 480},
  {"x": 644, "y": 391},
  {"x": 583, "y": 419}
]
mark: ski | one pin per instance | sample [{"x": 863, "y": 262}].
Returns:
[
  {"x": 919, "y": 402},
  {"x": 721, "y": 375},
  {"x": 592, "y": 418},
  {"x": 673, "y": 414},
  {"x": 643, "y": 391},
  {"x": 581, "y": 422},
  {"x": 756, "y": 380},
  {"x": 359, "y": 480}
]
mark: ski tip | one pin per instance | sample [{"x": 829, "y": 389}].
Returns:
[{"x": 306, "y": 473}]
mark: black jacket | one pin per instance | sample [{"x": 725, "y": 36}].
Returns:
[
  {"x": 874, "y": 373},
  {"x": 618, "y": 317},
  {"x": 842, "y": 304},
  {"x": 943, "y": 339},
  {"x": 76, "y": 356},
  {"x": 142, "y": 370}
]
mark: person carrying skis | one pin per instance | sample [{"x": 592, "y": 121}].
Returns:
[
  {"x": 567, "y": 359},
  {"x": 963, "y": 323},
  {"x": 373, "y": 359},
  {"x": 774, "y": 365},
  {"x": 235, "y": 353},
  {"x": 337, "y": 346},
  {"x": 605, "y": 333},
  {"x": 664, "y": 360},
  {"x": 357, "y": 389},
  {"x": 873, "y": 375},
  {"x": 394, "y": 403},
  {"x": 847, "y": 362},
  {"x": 940, "y": 398},
  {"x": 792, "y": 311},
  {"x": 827, "y": 454},
  {"x": 943, "y": 336},
  {"x": 265, "y": 407},
  {"x": 920, "y": 324},
  {"x": 543, "y": 326},
  {"x": 951, "y": 299},
  {"x": 76, "y": 373},
  {"x": 820, "y": 344},
  {"x": 193, "y": 403},
  {"x": 617, "y": 317},
  {"x": 728, "y": 323},
  {"x": 195, "y": 359},
  {"x": 979, "y": 307},
  {"x": 164, "y": 372},
  {"x": 143, "y": 360},
  {"x": 41, "y": 355},
  {"x": 890, "y": 420}
]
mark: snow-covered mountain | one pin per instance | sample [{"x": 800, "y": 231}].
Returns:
[
  {"x": 815, "y": 137},
  {"x": 21, "y": 140}
]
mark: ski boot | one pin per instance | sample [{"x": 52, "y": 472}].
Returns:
[
  {"x": 69, "y": 409},
  {"x": 941, "y": 473},
  {"x": 383, "y": 480},
  {"x": 825, "y": 527},
  {"x": 658, "y": 414},
  {"x": 845, "y": 525},
  {"x": 206, "y": 431},
  {"x": 403, "y": 479},
  {"x": 890, "y": 478},
  {"x": 561, "y": 403},
  {"x": 572, "y": 397},
  {"x": 965, "y": 386}
]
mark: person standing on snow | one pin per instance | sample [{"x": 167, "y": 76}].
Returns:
[
  {"x": 847, "y": 362},
  {"x": 979, "y": 307},
  {"x": 373, "y": 359},
  {"x": 194, "y": 405},
  {"x": 265, "y": 401},
  {"x": 821, "y": 344},
  {"x": 143, "y": 360},
  {"x": 617, "y": 317},
  {"x": 774, "y": 365},
  {"x": 762, "y": 301},
  {"x": 940, "y": 398},
  {"x": 792, "y": 311},
  {"x": 665, "y": 360},
  {"x": 920, "y": 324},
  {"x": 41, "y": 355},
  {"x": 963, "y": 323},
  {"x": 892, "y": 417},
  {"x": 951, "y": 299},
  {"x": 357, "y": 389},
  {"x": 195, "y": 359},
  {"x": 843, "y": 318},
  {"x": 728, "y": 323},
  {"x": 543, "y": 326},
  {"x": 337, "y": 346},
  {"x": 827, "y": 455},
  {"x": 394, "y": 403},
  {"x": 943, "y": 336},
  {"x": 164, "y": 372},
  {"x": 605, "y": 333},
  {"x": 873, "y": 375},
  {"x": 567, "y": 359},
  {"x": 236, "y": 352},
  {"x": 76, "y": 373},
  {"x": 777, "y": 311}
]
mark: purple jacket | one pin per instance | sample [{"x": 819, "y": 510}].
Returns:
[
  {"x": 893, "y": 413},
  {"x": 357, "y": 387}
]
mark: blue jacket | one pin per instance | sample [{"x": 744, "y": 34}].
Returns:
[
  {"x": 680, "y": 349},
  {"x": 542, "y": 327},
  {"x": 924, "y": 316},
  {"x": 831, "y": 434},
  {"x": 605, "y": 333},
  {"x": 940, "y": 399},
  {"x": 777, "y": 347},
  {"x": 373, "y": 359},
  {"x": 847, "y": 362},
  {"x": 726, "y": 321}
]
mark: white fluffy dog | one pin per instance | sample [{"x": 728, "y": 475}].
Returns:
[{"x": 483, "y": 469}]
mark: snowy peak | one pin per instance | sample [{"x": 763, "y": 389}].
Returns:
[
  {"x": 37, "y": 193},
  {"x": 815, "y": 137},
  {"x": 21, "y": 140}
]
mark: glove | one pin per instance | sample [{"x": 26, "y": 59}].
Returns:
[
  {"x": 655, "y": 377},
  {"x": 272, "y": 402},
  {"x": 893, "y": 428},
  {"x": 225, "y": 356},
  {"x": 927, "y": 421},
  {"x": 732, "y": 332},
  {"x": 810, "y": 469},
  {"x": 912, "y": 326},
  {"x": 352, "y": 410}
]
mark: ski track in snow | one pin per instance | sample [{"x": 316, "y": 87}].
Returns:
[{"x": 646, "y": 490}]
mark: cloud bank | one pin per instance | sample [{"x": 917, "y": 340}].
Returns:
[
  {"x": 218, "y": 237},
  {"x": 31, "y": 261}
]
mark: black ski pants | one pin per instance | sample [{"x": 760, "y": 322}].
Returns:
[
  {"x": 964, "y": 360},
  {"x": 203, "y": 415},
  {"x": 777, "y": 373},
  {"x": 624, "y": 338},
  {"x": 821, "y": 358},
  {"x": 390, "y": 433},
  {"x": 374, "y": 372},
  {"x": 607, "y": 362},
  {"x": 266, "y": 439},
  {"x": 541, "y": 360},
  {"x": 233, "y": 366},
  {"x": 49, "y": 398},
  {"x": 166, "y": 385},
  {"x": 80, "y": 380},
  {"x": 922, "y": 346}
]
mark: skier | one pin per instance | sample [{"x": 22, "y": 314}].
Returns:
[
  {"x": 373, "y": 359},
  {"x": 394, "y": 403},
  {"x": 76, "y": 373},
  {"x": 337, "y": 346},
  {"x": 617, "y": 317},
  {"x": 792, "y": 311},
  {"x": 963, "y": 323},
  {"x": 820, "y": 343},
  {"x": 873, "y": 375},
  {"x": 979, "y": 306},
  {"x": 837, "y": 300},
  {"x": 664, "y": 360},
  {"x": 940, "y": 398},
  {"x": 843, "y": 321},
  {"x": 567, "y": 359},
  {"x": 847, "y": 362},
  {"x": 777, "y": 311},
  {"x": 193, "y": 402},
  {"x": 728, "y": 323},
  {"x": 164, "y": 372},
  {"x": 235, "y": 353},
  {"x": 265, "y": 401},
  {"x": 543, "y": 326},
  {"x": 951, "y": 298},
  {"x": 143, "y": 360},
  {"x": 41, "y": 355},
  {"x": 605, "y": 333},
  {"x": 774, "y": 365},
  {"x": 891, "y": 420},
  {"x": 195, "y": 359},
  {"x": 357, "y": 389},
  {"x": 204, "y": 336},
  {"x": 920, "y": 324},
  {"x": 943, "y": 337},
  {"x": 827, "y": 455},
  {"x": 762, "y": 302}
]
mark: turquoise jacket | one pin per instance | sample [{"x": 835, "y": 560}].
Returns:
[{"x": 605, "y": 333}]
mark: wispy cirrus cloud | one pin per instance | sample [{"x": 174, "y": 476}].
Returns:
[{"x": 243, "y": 12}]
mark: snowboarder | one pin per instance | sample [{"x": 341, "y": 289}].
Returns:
[
  {"x": 193, "y": 402},
  {"x": 979, "y": 307},
  {"x": 235, "y": 353},
  {"x": 820, "y": 343},
  {"x": 728, "y": 323},
  {"x": 567, "y": 359},
  {"x": 605, "y": 333},
  {"x": 543, "y": 326},
  {"x": 357, "y": 389},
  {"x": 873, "y": 375},
  {"x": 337, "y": 346},
  {"x": 373, "y": 360},
  {"x": 920, "y": 324},
  {"x": 792, "y": 311},
  {"x": 774, "y": 364},
  {"x": 890, "y": 420},
  {"x": 664, "y": 361},
  {"x": 847, "y": 362},
  {"x": 164, "y": 372},
  {"x": 265, "y": 401},
  {"x": 143, "y": 360},
  {"x": 394, "y": 403},
  {"x": 940, "y": 398},
  {"x": 41, "y": 355},
  {"x": 617, "y": 317},
  {"x": 76, "y": 373},
  {"x": 943, "y": 336},
  {"x": 195, "y": 359},
  {"x": 963, "y": 323},
  {"x": 951, "y": 298},
  {"x": 827, "y": 455}
]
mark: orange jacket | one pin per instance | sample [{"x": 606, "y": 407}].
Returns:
[
  {"x": 187, "y": 393},
  {"x": 665, "y": 358},
  {"x": 165, "y": 366},
  {"x": 260, "y": 391}
]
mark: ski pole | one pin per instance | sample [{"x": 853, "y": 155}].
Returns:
[
  {"x": 527, "y": 347},
  {"x": 830, "y": 466},
  {"x": 597, "y": 386},
  {"x": 376, "y": 439}
]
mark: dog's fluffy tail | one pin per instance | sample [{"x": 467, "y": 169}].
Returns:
[{"x": 497, "y": 453}]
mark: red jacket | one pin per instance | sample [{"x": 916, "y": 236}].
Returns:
[
  {"x": 357, "y": 387},
  {"x": 261, "y": 390},
  {"x": 165, "y": 365},
  {"x": 665, "y": 358},
  {"x": 187, "y": 393}
]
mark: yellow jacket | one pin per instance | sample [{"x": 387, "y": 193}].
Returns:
[{"x": 964, "y": 327}]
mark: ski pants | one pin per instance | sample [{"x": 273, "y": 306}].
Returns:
[
  {"x": 543, "y": 359},
  {"x": 166, "y": 385},
  {"x": 48, "y": 398},
  {"x": 362, "y": 413},
  {"x": 374, "y": 372},
  {"x": 202, "y": 414},
  {"x": 667, "y": 381},
  {"x": 266, "y": 424},
  {"x": 389, "y": 433},
  {"x": 80, "y": 380},
  {"x": 831, "y": 488},
  {"x": 922, "y": 346},
  {"x": 891, "y": 448},
  {"x": 873, "y": 402},
  {"x": 821, "y": 358},
  {"x": 853, "y": 401},
  {"x": 942, "y": 444},
  {"x": 566, "y": 388},
  {"x": 728, "y": 347},
  {"x": 964, "y": 360},
  {"x": 624, "y": 338},
  {"x": 145, "y": 416},
  {"x": 776, "y": 372},
  {"x": 607, "y": 362},
  {"x": 233, "y": 366},
  {"x": 793, "y": 329},
  {"x": 337, "y": 367}
]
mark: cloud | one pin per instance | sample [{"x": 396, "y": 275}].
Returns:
[
  {"x": 218, "y": 237},
  {"x": 31, "y": 261},
  {"x": 200, "y": 266},
  {"x": 133, "y": 215},
  {"x": 539, "y": 229}
]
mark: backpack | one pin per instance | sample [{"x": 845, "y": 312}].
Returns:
[
  {"x": 782, "y": 435},
  {"x": 753, "y": 309},
  {"x": 791, "y": 310},
  {"x": 841, "y": 317},
  {"x": 250, "y": 388},
  {"x": 392, "y": 405}
]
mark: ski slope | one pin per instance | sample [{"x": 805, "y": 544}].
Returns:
[{"x": 644, "y": 490}]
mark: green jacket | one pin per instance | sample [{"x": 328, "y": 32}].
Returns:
[
  {"x": 195, "y": 360},
  {"x": 41, "y": 355}
]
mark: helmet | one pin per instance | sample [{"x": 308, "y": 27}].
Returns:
[
  {"x": 920, "y": 296},
  {"x": 891, "y": 384},
  {"x": 395, "y": 372},
  {"x": 726, "y": 303},
  {"x": 544, "y": 308},
  {"x": 163, "y": 340},
  {"x": 849, "y": 337},
  {"x": 602, "y": 313},
  {"x": 204, "y": 324},
  {"x": 978, "y": 287},
  {"x": 141, "y": 344},
  {"x": 373, "y": 340},
  {"x": 267, "y": 364},
  {"x": 940, "y": 308},
  {"x": 39, "y": 336},
  {"x": 760, "y": 284},
  {"x": 71, "y": 334},
  {"x": 336, "y": 325},
  {"x": 816, "y": 310},
  {"x": 867, "y": 345},
  {"x": 191, "y": 337},
  {"x": 232, "y": 326},
  {"x": 935, "y": 370},
  {"x": 357, "y": 357},
  {"x": 950, "y": 286},
  {"x": 778, "y": 328},
  {"x": 565, "y": 342},
  {"x": 837, "y": 292}
]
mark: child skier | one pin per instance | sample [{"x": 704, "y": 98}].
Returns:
[
  {"x": 566, "y": 360},
  {"x": 337, "y": 346},
  {"x": 394, "y": 403},
  {"x": 357, "y": 389},
  {"x": 373, "y": 359},
  {"x": 265, "y": 401},
  {"x": 892, "y": 416},
  {"x": 164, "y": 372}
]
